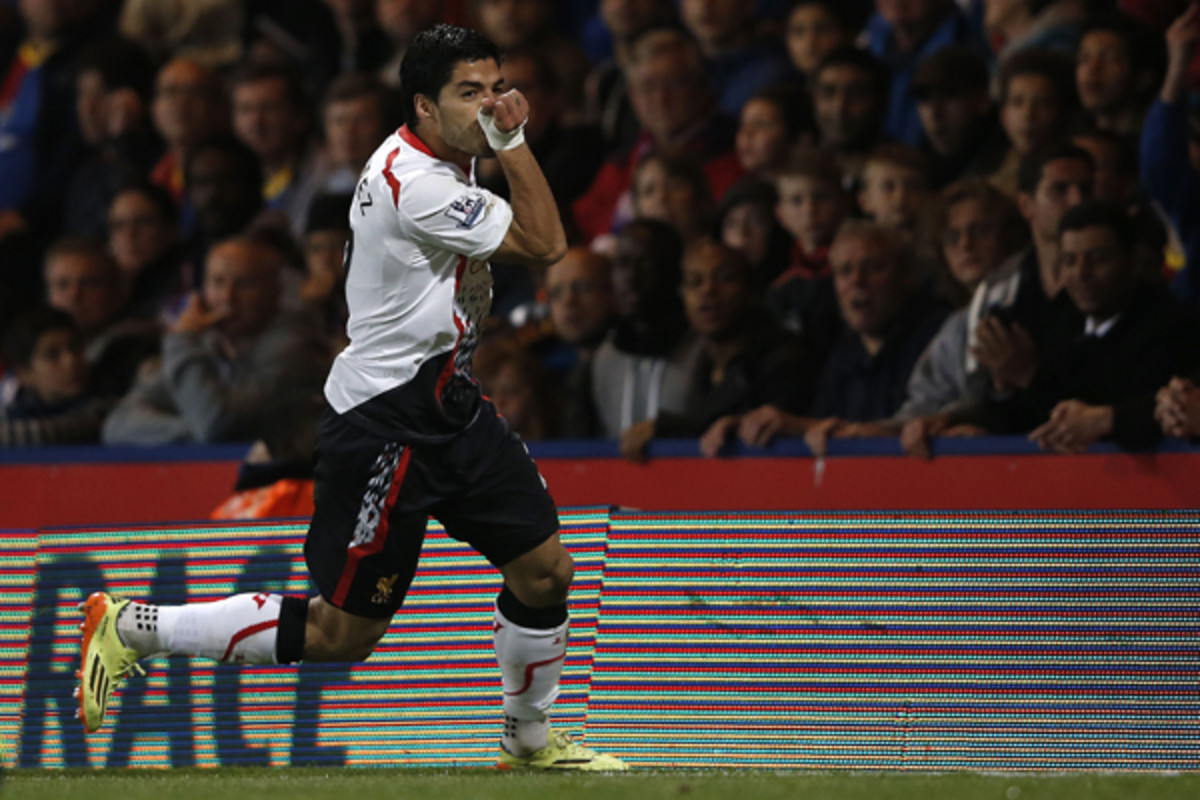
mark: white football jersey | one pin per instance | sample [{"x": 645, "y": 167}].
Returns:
[{"x": 418, "y": 288}]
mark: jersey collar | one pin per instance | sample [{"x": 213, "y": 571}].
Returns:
[{"x": 417, "y": 143}]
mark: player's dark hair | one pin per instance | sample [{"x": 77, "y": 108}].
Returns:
[
  {"x": 22, "y": 337},
  {"x": 1100, "y": 214},
  {"x": 1029, "y": 173},
  {"x": 430, "y": 60}
]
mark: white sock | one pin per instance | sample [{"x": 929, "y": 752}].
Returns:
[
  {"x": 240, "y": 629},
  {"x": 531, "y": 662}
]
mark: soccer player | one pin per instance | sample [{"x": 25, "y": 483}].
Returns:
[{"x": 408, "y": 434}]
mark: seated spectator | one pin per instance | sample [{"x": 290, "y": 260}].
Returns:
[
  {"x": 270, "y": 116},
  {"x": 579, "y": 291},
  {"x": 814, "y": 29},
  {"x": 1116, "y": 72},
  {"x": 746, "y": 222},
  {"x": 516, "y": 382},
  {"x": 888, "y": 324},
  {"x": 674, "y": 191},
  {"x": 1170, "y": 153},
  {"x": 740, "y": 59},
  {"x": 224, "y": 193},
  {"x": 629, "y": 366},
  {"x": 674, "y": 104},
  {"x": 189, "y": 107},
  {"x": 83, "y": 280},
  {"x": 50, "y": 403},
  {"x": 1037, "y": 100},
  {"x": 983, "y": 236},
  {"x": 1177, "y": 408},
  {"x": 900, "y": 35},
  {"x": 735, "y": 359},
  {"x": 143, "y": 238},
  {"x": 812, "y": 206},
  {"x": 230, "y": 363},
  {"x": 850, "y": 102},
  {"x": 324, "y": 288},
  {"x": 772, "y": 122},
  {"x": 112, "y": 101},
  {"x": 894, "y": 188},
  {"x": 1096, "y": 372},
  {"x": 962, "y": 132}
]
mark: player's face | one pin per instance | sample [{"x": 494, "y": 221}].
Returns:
[{"x": 460, "y": 101}]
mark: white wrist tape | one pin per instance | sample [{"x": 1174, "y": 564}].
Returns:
[{"x": 498, "y": 139}]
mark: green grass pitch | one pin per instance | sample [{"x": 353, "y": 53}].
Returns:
[{"x": 339, "y": 784}]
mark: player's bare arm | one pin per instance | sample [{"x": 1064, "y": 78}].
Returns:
[{"x": 536, "y": 236}]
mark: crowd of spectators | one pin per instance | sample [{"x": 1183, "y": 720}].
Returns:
[{"x": 817, "y": 218}]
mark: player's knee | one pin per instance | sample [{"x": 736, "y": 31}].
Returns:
[{"x": 550, "y": 585}]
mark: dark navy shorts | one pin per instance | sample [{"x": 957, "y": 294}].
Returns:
[{"x": 374, "y": 496}]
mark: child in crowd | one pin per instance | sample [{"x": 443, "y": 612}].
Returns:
[
  {"x": 812, "y": 204},
  {"x": 673, "y": 190},
  {"x": 895, "y": 186},
  {"x": 815, "y": 28},
  {"x": 46, "y": 401},
  {"x": 1037, "y": 104}
]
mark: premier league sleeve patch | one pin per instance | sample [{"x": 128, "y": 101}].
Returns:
[{"x": 467, "y": 210}]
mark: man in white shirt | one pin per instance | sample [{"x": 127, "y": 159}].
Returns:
[{"x": 408, "y": 434}]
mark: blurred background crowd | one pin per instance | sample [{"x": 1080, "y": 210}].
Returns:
[{"x": 818, "y": 218}]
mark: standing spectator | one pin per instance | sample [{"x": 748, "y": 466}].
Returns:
[
  {"x": 270, "y": 116},
  {"x": 739, "y": 58},
  {"x": 772, "y": 122},
  {"x": 962, "y": 132},
  {"x": 735, "y": 359},
  {"x": 674, "y": 105},
  {"x": 230, "y": 361},
  {"x": 50, "y": 404},
  {"x": 1037, "y": 101},
  {"x": 850, "y": 91},
  {"x": 901, "y": 34},
  {"x": 189, "y": 107},
  {"x": 1170, "y": 152},
  {"x": 815, "y": 28},
  {"x": 1116, "y": 72}
]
